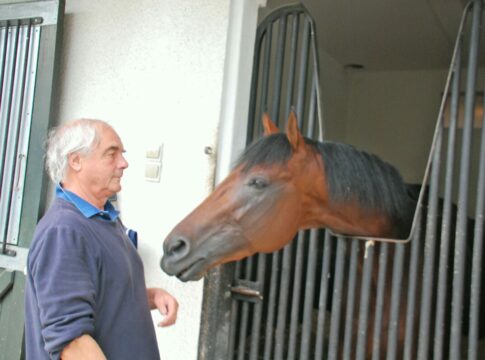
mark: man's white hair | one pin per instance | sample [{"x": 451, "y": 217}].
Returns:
[{"x": 78, "y": 136}]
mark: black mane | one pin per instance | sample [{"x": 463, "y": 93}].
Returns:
[{"x": 352, "y": 175}]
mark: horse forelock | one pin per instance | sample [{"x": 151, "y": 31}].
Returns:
[{"x": 268, "y": 150}]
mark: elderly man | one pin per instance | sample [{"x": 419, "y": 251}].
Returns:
[{"x": 85, "y": 296}]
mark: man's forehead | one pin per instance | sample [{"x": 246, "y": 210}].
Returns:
[{"x": 109, "y": 138}]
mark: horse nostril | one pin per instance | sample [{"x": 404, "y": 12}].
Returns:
[{"x": 178, "y": 246}]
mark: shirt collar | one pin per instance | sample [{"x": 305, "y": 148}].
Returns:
[{"x": 87, "y": 209}]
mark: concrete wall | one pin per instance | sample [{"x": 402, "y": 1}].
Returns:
[{"x": 154, "y": 70}]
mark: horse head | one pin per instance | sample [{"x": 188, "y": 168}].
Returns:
[{"x": 258, "y": 207}]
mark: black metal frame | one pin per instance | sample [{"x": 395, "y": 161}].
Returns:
[{"x": 324, "y": 298}]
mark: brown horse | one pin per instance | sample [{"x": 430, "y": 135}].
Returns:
[{"x": 281, "y": 184}]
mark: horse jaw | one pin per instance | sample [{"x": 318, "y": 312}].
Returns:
[{"x": 203, "y": 250}]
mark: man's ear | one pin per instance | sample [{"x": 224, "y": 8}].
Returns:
[
  {"x": 74, "y": 161},
  {"x": 269, "y": 126},
  {"x": 293, "y": 133}
]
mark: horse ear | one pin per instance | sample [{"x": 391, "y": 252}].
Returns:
[
  {"x": 269, "y": 126},
  {"x": 293, "y": 133}
]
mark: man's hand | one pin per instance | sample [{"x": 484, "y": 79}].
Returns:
[
  {"x": 82, "y": 348},
  {"x": 165, "y": 303}
]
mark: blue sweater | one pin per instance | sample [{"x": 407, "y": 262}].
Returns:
[{"x": 84, "y": 276}]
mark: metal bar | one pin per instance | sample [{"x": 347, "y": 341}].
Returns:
[
  {"x": 245, "y": 313},
  {"x": 461, "y": 227},
  {"x": 270, "y": 321},
  {"x": 16, "y": 165},
  {"x": 25, "y": 120},
  {"x": 323, "y": 296},
  {"x": 337, "y": 299},
  {"x": 234, "y": 315},
  {"x": 3, "y": 55},
  {"x": 351, "y": 297},
  {"x": 283, "y": 300},
  {"x": 295, "y": 301},
  {"x": 412, "y": 286},
  {"x": 477, "y": 260},
  {"x": 364, "y": 300},
  {"x": 302, "y": 73},
  {"x": 397, "y": 277},
  {"x": 312, "y": 113},
  {"x": 254, "y": 88},
  {"x": 447, "y": 207},
  {"x": 379, "y": 305},
  {"x": 6, "y": 121},
  {"x": 309, "y": 295},
  {"x": 265, "y": 75},
  {"x": 429, "y": 253},
  {"x": 292, "y": 62},
  {"x": 258, "y": 309},
  {"x": 280, "y": 57}
]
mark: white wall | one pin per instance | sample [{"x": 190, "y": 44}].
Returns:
[
  {"x": 393, "y": 114},
  {"x": 153, "y": 69}
]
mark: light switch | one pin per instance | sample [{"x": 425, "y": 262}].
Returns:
[
  {"x": 152, "y": 171},
  {"x": 154, "y": 153}
]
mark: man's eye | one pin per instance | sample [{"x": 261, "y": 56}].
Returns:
[{"x": 258, "y": 183}]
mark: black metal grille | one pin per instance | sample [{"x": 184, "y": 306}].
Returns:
[{"x": 327, "y": 297}]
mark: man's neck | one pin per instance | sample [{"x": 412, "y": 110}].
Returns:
[{"x": 85, "y": 195}]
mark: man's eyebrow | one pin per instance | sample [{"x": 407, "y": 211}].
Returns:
[{"x": 115, "y": 148}]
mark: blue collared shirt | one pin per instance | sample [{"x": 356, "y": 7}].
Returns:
[
  {"x": 109, "y": 212},
  {"x": 87, "y": 209}
]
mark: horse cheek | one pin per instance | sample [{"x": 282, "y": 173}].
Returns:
[{"x": 278, "y": 228}]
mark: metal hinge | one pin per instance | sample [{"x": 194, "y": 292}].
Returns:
[
  {"x": 247, "y": 290},
  {"x": 14, "y": 258}
]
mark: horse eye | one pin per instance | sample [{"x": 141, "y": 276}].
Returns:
[{"x": 258, "y": 183}]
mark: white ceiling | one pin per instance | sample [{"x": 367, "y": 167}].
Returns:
[{"x": 387, "y": 34}]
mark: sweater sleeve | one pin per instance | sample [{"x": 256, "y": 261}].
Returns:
[{"x": 64, "y": 274}]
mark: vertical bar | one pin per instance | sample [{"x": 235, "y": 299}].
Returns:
[
  {"x": 7, "y": 126},
  {"x": 412, "y": 285},
  {"x": 459, "y": 263},
  {"x": 251, "y": 130},
  {"x": 309, "y": 296},
  {"x": 270, "y": 321},
  {"x": 477, "y": 261},
  {"x": 280, "y": 56},
  {"x": 234, "y": 315},
  {"x": 295, "y": 301},
  {"x": 7, "y": 88},
  {"x": 258, "y": 308},
  {"x": 14, "y": 159},
  {"x": 349, "y": 315},
  {"x": 364, "y": 300},
  {"x": 323, "y": 296},
  {"x": 379, "y": 306},
  {"x": 25, "y": 120},
  {"x": 337, "y": 298},
  {"x": 266, "y": 72},
  {"x": 292, "y": 63},
  {"x": 3, "y": 58},
  {"x": 302, "y": 73},
  {"x": 397, "y": 275},
  {"x": 447, "y": 207},
  {"x": 245, "y": 314},
  {"x": 429, "y": 252}
]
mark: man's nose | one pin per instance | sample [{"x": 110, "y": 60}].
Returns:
[{"x": 123, "y": 162}]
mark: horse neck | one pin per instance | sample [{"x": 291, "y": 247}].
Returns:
[{"x": 319, "y": 211}]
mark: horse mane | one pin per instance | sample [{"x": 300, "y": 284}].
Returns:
[{"x": 352, "y": 175}]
